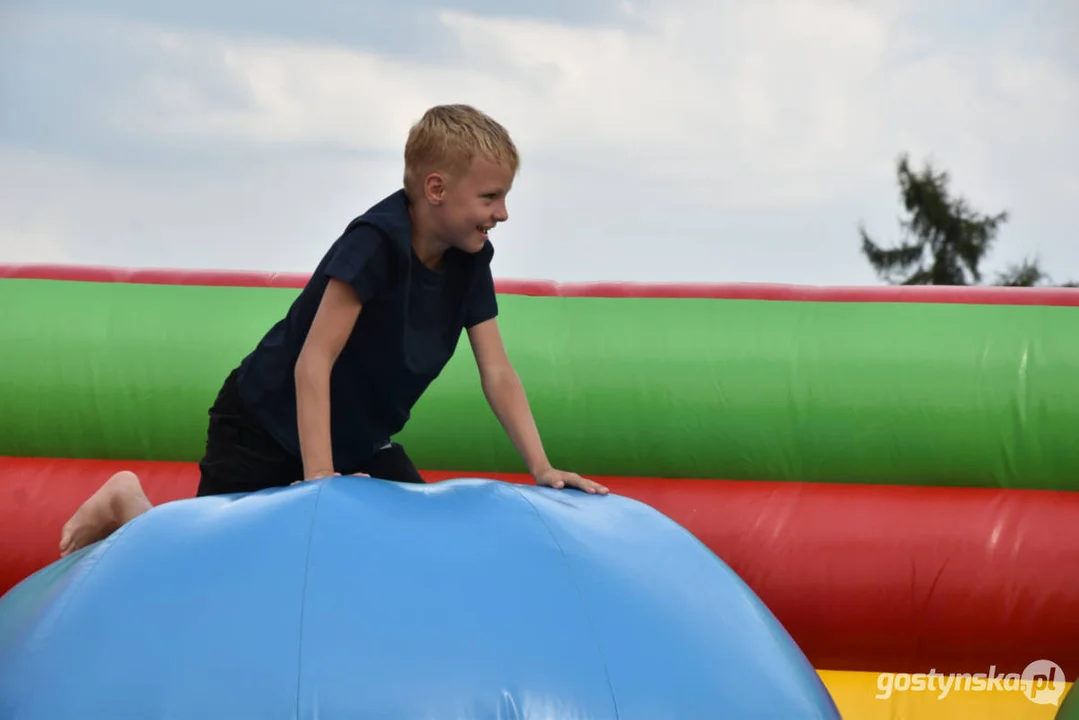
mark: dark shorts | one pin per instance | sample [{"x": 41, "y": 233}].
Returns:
[{"x": 242, "y": 457}]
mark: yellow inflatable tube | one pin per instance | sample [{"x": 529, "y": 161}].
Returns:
[{"x": 914, "y": 696}]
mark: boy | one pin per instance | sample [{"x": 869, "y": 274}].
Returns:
[{"x": 329, "y": 384}]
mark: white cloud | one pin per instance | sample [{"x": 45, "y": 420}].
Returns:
[
  {"x": 746, "y": 139},
  {"x": 776, "y": 101},
  {"x": 790, "y": 96},
  {"x": 271, "y": 214},
  {"x": 274, "y": 91},
  {"x": 32, "y": 232}
]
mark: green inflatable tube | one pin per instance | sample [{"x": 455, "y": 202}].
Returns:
[{"x": 861, "y": 392}]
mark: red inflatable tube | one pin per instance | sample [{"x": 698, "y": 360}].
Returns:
[
  {"x": 870, "y": 578},
  {"x": 547, "y": 288}
]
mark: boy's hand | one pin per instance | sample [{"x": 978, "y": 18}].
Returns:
[
  {"x": 320, "y": 476},
  {"x": 316, "y": 476},
  {"x": 561, "y": 479}
]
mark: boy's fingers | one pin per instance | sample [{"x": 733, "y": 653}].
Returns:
[{"x": 589, "y": 485}]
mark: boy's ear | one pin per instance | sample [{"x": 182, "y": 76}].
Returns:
[{"x": 434, "y": 188}]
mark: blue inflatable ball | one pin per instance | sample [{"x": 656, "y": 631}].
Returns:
[{"x": 359, "y": 598}]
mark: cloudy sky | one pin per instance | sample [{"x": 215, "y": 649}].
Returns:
[{"x": 673, "y": 140}]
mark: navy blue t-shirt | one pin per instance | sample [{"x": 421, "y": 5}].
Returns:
[{"x": 408, "y": 329}]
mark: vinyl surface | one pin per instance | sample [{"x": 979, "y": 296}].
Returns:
[
  {"x": 353, "y": 597},
  {"x": 857, "y": 392},
  {"x": 865, "y": 577}
]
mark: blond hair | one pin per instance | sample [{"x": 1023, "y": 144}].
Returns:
[{"x": 448, "y": 138}]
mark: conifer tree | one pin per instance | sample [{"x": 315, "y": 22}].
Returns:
[{"x": 945, "y": 241}]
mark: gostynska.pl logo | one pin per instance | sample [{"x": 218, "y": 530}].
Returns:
[{"x": 1042, "y": 682}]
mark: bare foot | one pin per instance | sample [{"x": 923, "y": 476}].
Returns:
[{"x": 118, "y": 501}]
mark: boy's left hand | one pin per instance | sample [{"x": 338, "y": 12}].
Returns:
[{"x": 561, "y": 479}]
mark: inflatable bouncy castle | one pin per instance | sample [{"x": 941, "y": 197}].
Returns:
[{"x": 825, "y": 502}]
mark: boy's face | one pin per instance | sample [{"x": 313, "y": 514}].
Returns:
[{"x": 469, "y": 205}]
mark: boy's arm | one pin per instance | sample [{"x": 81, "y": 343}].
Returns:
[
  {"x": 505, "y": 394},
  {"x": 333, "y": 323}
]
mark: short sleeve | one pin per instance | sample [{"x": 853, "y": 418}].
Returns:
[
  {"x": 482, "y": 302},
  {"x": 360, "y": 257}
]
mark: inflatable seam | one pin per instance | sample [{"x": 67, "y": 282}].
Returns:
[
  {"x": 303, "y": 599},
  {"x": 576, "y": 587}
]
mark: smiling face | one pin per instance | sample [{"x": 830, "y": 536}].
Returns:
[
  {"x": 459, "y": 166},
  {"x": 468, "y": 205}
]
